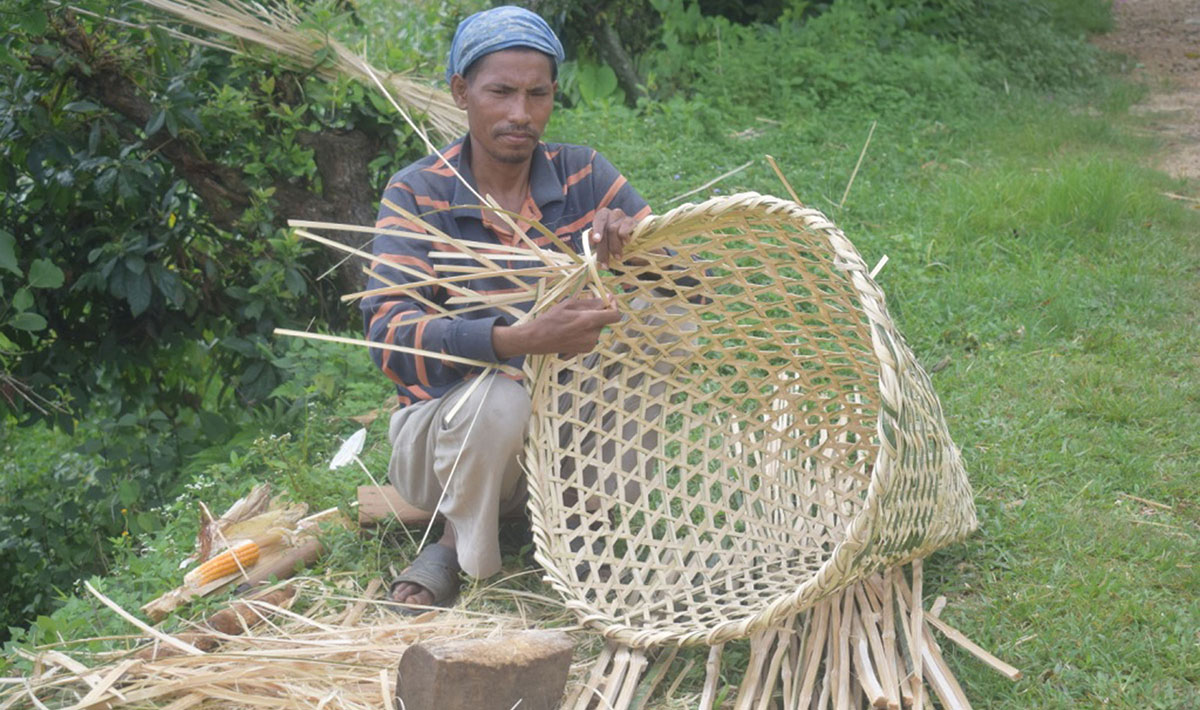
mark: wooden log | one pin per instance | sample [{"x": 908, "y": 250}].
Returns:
[
  {"x": 377, "y": 504},
  {"x": 525, "y": 669},
  {"x": 282, "y": 564},
  {"x": 230, "y": 621}
]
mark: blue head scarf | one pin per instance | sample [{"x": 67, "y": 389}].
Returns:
[{"x": 502, "y": 27}]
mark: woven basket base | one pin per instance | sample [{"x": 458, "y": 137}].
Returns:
[{"x": 852, "y": 650}]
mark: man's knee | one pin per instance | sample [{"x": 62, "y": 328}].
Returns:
[{"x": 501, "y": 408}]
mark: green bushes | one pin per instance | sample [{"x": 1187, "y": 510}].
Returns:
[{"x": 144, "y": 262}]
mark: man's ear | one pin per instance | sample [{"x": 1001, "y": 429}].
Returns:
[{"x": 458, "y": 89}]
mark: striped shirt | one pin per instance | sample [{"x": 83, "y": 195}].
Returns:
[{"x": 567, "y": 184}]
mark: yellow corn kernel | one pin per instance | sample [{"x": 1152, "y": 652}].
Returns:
[{"x": 244, "y": 554}]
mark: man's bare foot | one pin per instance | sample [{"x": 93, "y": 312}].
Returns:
[
  {"x": 432, "y": 577},
  {"x": 411, "y": 593}
]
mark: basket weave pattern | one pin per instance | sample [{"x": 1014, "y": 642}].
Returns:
[{"x": 752, "y": 438}]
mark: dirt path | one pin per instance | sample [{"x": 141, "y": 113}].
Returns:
[{"x": 1163, "y": 37}]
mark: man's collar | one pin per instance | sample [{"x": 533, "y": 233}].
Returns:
[{"x": 544, "y": 185}]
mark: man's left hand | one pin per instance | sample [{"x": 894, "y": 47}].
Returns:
[{"x": 611, "y": 232}]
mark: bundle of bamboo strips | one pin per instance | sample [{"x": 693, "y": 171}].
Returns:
[
  {"x": 853, "y": 650},
  {"x": 277, "y": 29}
]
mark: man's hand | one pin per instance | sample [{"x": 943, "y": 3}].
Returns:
[
  {"x": 570, "y": 327},
  {"x": 611, "y": 231}
]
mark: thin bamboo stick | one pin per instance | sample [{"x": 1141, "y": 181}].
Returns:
[
  {"x": 654, "y": 676},
  {"x": 637, "y": 664},
  {"x": 864, "y": 671},
  {"x": 679, "y": 679},
  {"x": 871, "y": 617},
  {"x": 395, "y": 348},
  {"x": 712, "y": 674},
  {"x": 531, "y": 271},
  {"x": 585, "y": 692},
  {"x": 917, "y": 637},
  {"x": 712, "y": 182},
  {"x": 759, "y": 645},
  {"x": 1010, "y": 672},
  {"x": 843, "y": 680},
  {"x": 814, "y": 650}
]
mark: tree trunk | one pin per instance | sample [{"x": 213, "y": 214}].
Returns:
[{"x": 608, "y": 44}]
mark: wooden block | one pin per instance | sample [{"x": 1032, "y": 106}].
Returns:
[
  {"x": 524, "y": 669},
  {"x": 377, "y": 504}
]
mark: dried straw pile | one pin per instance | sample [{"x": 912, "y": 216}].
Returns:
[
  {"x": 276, "y": 28},
  {"x": 341, "y": 654}
]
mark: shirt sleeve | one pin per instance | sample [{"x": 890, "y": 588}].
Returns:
[
  {"x": 612, "y": 190},
  {"x": 400, "y": 319}
]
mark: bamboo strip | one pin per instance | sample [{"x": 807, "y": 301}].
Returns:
[
  {"x": 783, "y": 644},
  {"x": 679, "y": 679},
  {"x": 462, "y": 256},
  {"x": 399, "y": 289},
  {"x": 845, "y": 621},
  {"x": 155, "y": 633},
  {"x": 712, "y": 182},
  {"x": 637, "y": 664},
  {"x": 396, "y": 348},
  {"x": 941, "y": 679},
  {"x": 433, "y": 306},
  {"x": 1011, "y": 672},
  {"x": 814, "y": 651},
  {"x": 584, "y": 695},
  {"x": 871, "y": 618},
  {"x": 613, "y": 683},
  {"x": 857, "y": 165},
  {"x": 712, "y": 674},
  {"x": 654, "y": 676},
  {"x": 786, "y": 185},
  {"x": 865, "y": 672},
  {"x": 493, "y": 299},
  {"x": 760, "y": 644},
  {"x": 917, "y": 637},
  {"x": 98, "y": 692}
]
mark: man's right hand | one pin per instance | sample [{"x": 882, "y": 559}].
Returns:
[{"x": 570, "y": 327}]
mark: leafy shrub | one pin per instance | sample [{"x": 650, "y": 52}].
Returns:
[{"x": 144, "y": 260}]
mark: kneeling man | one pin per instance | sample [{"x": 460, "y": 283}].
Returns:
[{"x": 502, "y": 70}]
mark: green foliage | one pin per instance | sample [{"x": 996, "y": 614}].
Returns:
[
  {"x": 135, "y": 296},
  {"x": 587, "y": 83},
  {"x": 69, "y": 514}
]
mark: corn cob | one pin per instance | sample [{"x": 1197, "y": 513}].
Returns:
[{"x": 242, "y": 555}]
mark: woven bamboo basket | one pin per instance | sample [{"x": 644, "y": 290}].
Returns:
[
  {"x": 753, "y": 437},
  {"x": 753, "y": 452}
]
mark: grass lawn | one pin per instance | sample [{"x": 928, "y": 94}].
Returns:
[{"x": 1037, "y": 266}]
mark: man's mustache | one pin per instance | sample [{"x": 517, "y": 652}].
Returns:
[{"x": 523, "y": 131}]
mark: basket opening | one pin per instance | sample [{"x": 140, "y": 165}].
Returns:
[{"x": 713, "y": 452}]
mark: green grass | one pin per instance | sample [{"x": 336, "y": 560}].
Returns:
[{"x": 1031, "y": 251}]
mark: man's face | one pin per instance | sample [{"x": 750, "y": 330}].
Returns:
[{"x": 508, "y": 101}]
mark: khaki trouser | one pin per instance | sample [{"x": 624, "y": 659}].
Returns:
[
  {"x": 481, "y": 460},
  {"x": 473, "y": 456}
]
